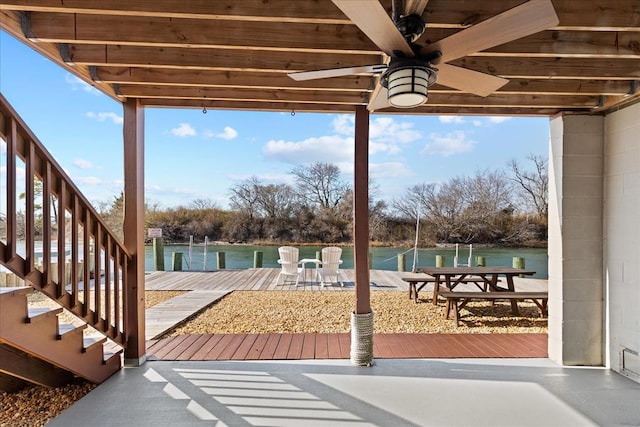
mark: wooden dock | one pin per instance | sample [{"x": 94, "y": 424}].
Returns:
[{"x": 206, "y": 287}]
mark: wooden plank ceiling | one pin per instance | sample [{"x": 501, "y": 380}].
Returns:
[{"x": 229, "y": 54}]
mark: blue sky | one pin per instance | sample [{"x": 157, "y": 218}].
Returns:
[{"x": 191, "y": 155}]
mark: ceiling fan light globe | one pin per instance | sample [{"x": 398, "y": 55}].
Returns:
[{"x": 407, "y": 87}]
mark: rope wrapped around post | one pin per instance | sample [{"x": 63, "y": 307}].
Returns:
[{"x": 362, "y": 339}]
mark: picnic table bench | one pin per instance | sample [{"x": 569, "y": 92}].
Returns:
[
  {"x": 417, "y": 283},
  {"x": 457, "y": 300}
]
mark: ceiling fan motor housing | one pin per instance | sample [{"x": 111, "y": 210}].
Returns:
[{"x": 411, "y": 27}]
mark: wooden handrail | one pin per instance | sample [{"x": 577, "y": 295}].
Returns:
[{"x": 75, "y": 227}]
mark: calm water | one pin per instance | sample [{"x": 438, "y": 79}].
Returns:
[{"x": 241, "y": 256}]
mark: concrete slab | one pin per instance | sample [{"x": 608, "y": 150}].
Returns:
[{"x": 415, "y": 392}]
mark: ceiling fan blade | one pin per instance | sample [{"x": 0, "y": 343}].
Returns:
[
  {"x": 415, "y": 6},
  {"x": 469, "y": 81},
  {"x": 373, "y": 20},
  {"x": 521, "y": 21},
  {"x": 378, "y": 98},
  {"x": 337, "y": 72}
]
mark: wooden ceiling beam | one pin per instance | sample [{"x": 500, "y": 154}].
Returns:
[
  {"x": 291, "y": 107},
  {"x": 175, "y": 32},
  {"x": 597, "y": 15},
  {"x": 232, "y": 93},
  {"x": 249, "y": 10},
  {"x": 336, "y": 108},
  {"x": 171, "y": 32},
  {"x": 209, "y": 78},
  {"x": 220, "y": 59},
  {"x": 554, "y": 68}
]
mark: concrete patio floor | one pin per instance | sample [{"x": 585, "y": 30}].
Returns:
[{"x": 394, "y": 392}]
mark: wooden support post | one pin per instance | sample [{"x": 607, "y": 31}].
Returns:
[
  {"x": 133, "y": 135},
  {"x": 257, "y": 259},
  {"x": 176, "y": 261},
  {"x": 402, "y": 262},
  {"x": 220, "y": 260},
  {"x": 158, "y": 253},
  {"x": 440, "y": 261},
  {"x": 361, "y": 211},
  {"x": 481, "y": 261}
]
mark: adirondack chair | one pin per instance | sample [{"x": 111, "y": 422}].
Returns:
[
  {"x": 289, "y": 264},
  {"x": 329, "y": 271}
]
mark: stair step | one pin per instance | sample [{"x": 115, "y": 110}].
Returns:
[
  {"x": 111, "y": 350},
  {"x": 37, "y": 314},
  {"x": 16, "y": 291},
  {"x": 93, "y": 342},
  {"x": 66, "y": 330}
]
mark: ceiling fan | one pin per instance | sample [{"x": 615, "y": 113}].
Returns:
[{"x": 411, "y": 68}]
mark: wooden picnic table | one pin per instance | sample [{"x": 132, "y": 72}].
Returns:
[{"x": 453, "y": 276}]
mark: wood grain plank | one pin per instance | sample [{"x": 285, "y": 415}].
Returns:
[{"x": 283, "y": 346}]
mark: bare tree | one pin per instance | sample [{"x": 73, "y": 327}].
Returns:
[
  {"x": 319, "y": 184},
  {"x": 244, "y": 196},
  {"x": 200, "y": 204},
  {"x": 533, "y": 184}
]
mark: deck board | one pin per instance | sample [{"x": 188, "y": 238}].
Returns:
[{"x": 336, "y": 345}]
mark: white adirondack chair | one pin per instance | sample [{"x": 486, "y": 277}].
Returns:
[
  {"x": 289, "y": 263},
  {"x": 329, "y": 271}
]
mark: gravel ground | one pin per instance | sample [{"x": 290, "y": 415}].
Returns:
[
  {"x": 321, "y": 311},
  {"x": 283, "y": 311},
  {"x": 35, "y": 405}
]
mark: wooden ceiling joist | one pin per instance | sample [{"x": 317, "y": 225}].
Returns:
[{"x": 236, "y": 55}]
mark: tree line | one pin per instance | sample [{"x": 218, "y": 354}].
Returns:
[{"x": 499, "y": 207}]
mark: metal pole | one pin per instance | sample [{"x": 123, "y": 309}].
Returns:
[
  {"x": 415, "y": 245},
  {"x": 190, "y": 251},
  {"x": 204, "y": 262}
]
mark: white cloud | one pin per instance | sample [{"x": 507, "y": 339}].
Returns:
[
  {"x": 78, "y": 84},
  {"x": 329, "y": 149},
  {"x": 88, "y": 180},
  {"x": 228, "y": 134},
  {"x": 386, "y": 134},
  {"x": 160, "y": 191},
  {"x": 477, "y": 123},
  {"x": 499, "y": 119},
  {"x": 183, "y": 130},
  {"x": 83, "y": 164},
  {"x": 447, "y": 145},
  {"x": 451, "y": 119},
  {"x": 390, "y": 170},
  {"x": 101, "y": 117}
]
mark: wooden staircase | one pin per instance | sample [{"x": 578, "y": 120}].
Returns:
[
  {"x": 52, "y": 238},
  {"x": 36, "y": 348}
]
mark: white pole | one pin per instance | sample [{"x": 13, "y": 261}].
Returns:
[
  {"x": 470, "y": 254},
  {"x": 190, "y": 250},
  {"x": 204, "y": 263},
  {"x": 415, "y": 246},
  {"x": 455, "y": 258}
]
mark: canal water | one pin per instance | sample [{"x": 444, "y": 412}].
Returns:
[{"x": 241, "y": 256}]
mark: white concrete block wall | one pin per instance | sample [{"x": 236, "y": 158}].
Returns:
[
  {"x": 576, "y": 240},
  {"x": 622, "y": 232}
]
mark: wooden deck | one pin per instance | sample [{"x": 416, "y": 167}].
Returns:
[
  {"x": 337, "y": 346},
  {"x": 310, "y": 346}
]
